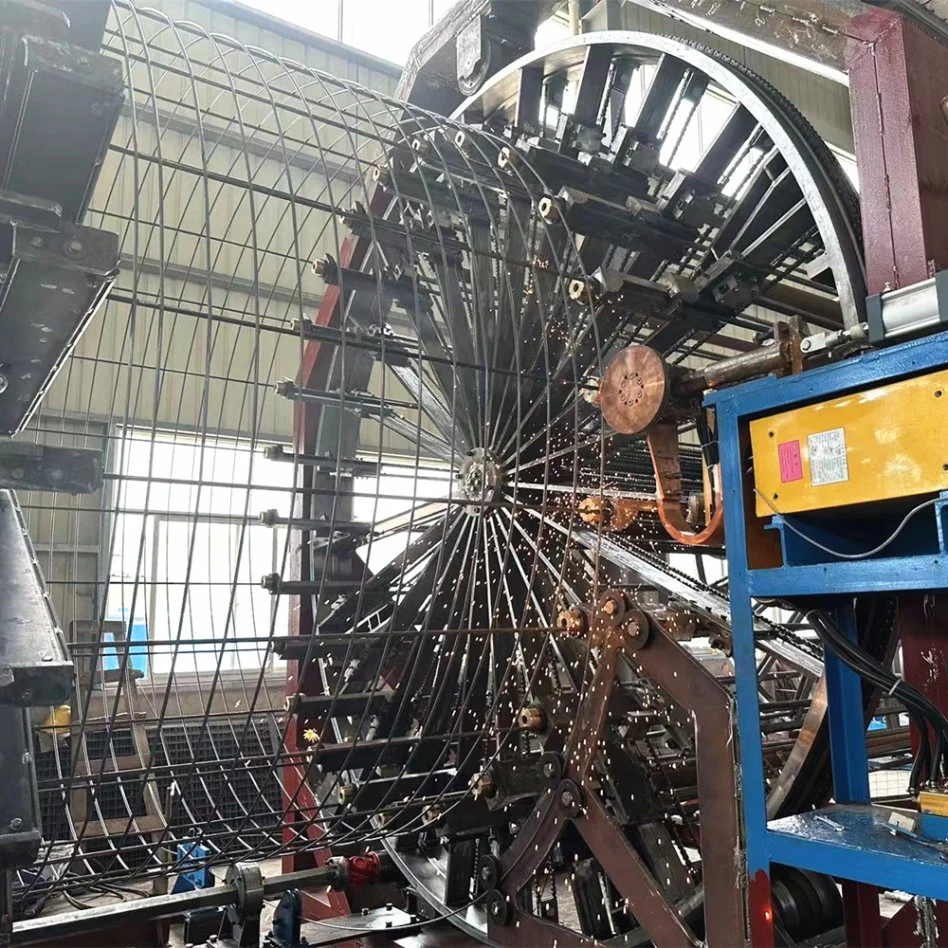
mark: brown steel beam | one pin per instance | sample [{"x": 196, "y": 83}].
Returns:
[
  {"x": 816, "y": 35},
  {"x": 691, "y": 686},
  {"x": 629, "y": 874},
  {"x": 898, "y": 77},
  {"x": 617, "y": 626}
]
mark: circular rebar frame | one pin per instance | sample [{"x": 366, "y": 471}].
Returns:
[{"x": 411, "y": 275}]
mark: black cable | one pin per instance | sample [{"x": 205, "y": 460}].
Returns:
[{"x": 924, "y": 714}]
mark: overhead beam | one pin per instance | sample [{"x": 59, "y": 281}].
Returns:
[{"x": 816, "y": 35}]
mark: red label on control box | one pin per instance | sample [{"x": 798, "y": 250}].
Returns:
[{"x": 791, "y": 463}]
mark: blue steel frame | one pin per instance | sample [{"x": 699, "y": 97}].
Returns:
[{"x": 857, "y": 847}]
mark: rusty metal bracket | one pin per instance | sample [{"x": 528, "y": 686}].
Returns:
[
  {"x": 697, "y": 691},
  {"x": 666, "y": 459},
  {"x": 617, "y": 626}
]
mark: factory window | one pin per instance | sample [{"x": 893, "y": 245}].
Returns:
[
  {"x": 383, "y": 28},
  {"x": 187, "y": 553},
  {"x": 398, "y": 488},
  {"x": 318, "y": 16}
]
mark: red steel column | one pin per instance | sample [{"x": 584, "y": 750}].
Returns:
[{"x": 898, "y": 78}]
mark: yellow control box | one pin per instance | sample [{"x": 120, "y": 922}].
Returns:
[{"x": 879, "y": 444}]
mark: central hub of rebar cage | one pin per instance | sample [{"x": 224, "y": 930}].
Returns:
[{"x": 480, "y": 479}]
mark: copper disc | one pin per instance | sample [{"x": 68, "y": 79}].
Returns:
[{"x": 634, "y": 390}]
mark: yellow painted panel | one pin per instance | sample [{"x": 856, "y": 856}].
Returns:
[
  {"x": 887, "y": 442},
  {"x": 933, "y": 801}
]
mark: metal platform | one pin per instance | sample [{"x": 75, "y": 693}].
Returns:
[{"x": 861, "y": 849}]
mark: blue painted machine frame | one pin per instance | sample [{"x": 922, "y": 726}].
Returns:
[{"x": 848, "y": 841}]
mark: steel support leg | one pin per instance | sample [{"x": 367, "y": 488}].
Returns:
[{"x": 851, "y": 778}]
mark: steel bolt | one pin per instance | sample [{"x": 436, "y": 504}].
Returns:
[
  {"x": 47, "y": 658},
  {"x": 549, "y": 770},
  {"x": 508, "y": 158},
  {"x": 547, "y": 209},
  {"x": 532, "y": 719},
  {"x": 609, "y": 607},
  {"x": 16, "y": 823},
  {"x": 572, "y": 621},
  {"x": 37, "y": 242},
  {"x": 567, "y": 799}
]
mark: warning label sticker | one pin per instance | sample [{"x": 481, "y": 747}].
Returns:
[
  {"x": 790, "y": 461},
  {"x": 827, "y": 451}
]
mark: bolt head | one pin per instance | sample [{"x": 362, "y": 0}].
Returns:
[
  {"x": 547, "y": 209},
  {"x": 16, "y": 823},
  {"x": 609, "y": 607}
]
